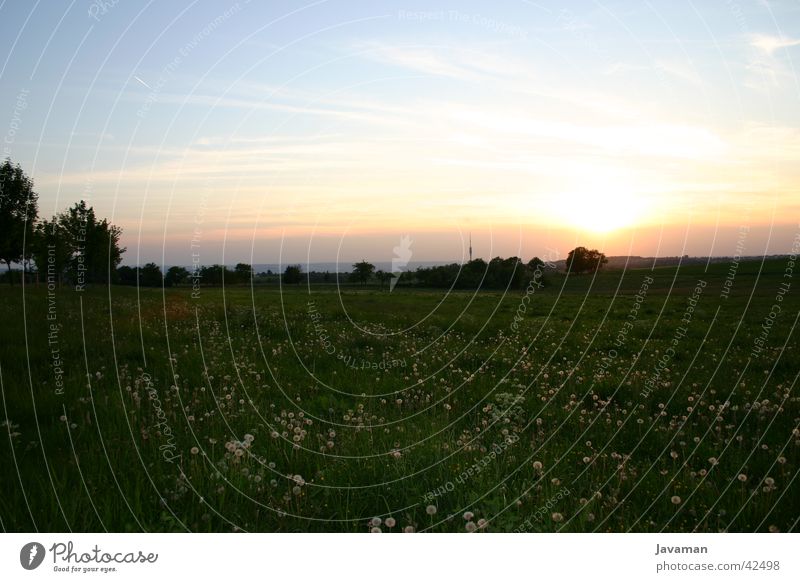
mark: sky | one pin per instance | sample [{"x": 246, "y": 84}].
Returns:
[{"x": 275, "y": 132}]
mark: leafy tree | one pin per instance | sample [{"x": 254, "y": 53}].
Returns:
[
  {"x": 18, "y": 212},
  {"x": 383, "y": 277},
  {"x": 535, "y": 263},
  {"x": 536, "y": 269},
  {"x": 504, "y": 273},
  {"x": 215, "y": 274},
  {"x": 126, "y": 275},
  {"x": 293, "y": 275},
  {"x": 94, "y": 244},
  {"x": 362, "y": 271},
  {"x": 581, "y": 260},
  {"x": 243, "y": 272},
  {"x": 51, "y": 251},
  {"x": 149, "y": 275},
  {"x": 176, "y": 276}
]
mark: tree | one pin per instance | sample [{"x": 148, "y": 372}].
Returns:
[
  {"x": 176, "y": 276},
  {"x": 535, "y": 263},
  {"x": 149, "y": 275},
  {"x": 18, "y": 213},
  {"x": 581, "y": 260},
  {"x": 504, "y": 273},
  {"x": 126, "y": 275},
  {"x": 383, "y": 276},
  {"x": 51, "y": 251},
  {"x": 293, "y": 275},
  {"x": 94, "y": 244},
  {"x": 215, "y": 274},
  {"x": 362, "y": 272},
  {"x": 243, "y": 272}
]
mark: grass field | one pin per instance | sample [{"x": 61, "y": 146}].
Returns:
[{"x": 644, "y": 401}]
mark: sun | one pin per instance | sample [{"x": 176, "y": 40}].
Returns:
[{"x": 599, "y": 208}]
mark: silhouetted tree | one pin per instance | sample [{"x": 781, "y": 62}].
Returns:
[
  {"x": 243, "y": 272},
  {"x": 362, "y": 272},
  {"x": 94, "y": 244},
  {"x": 126, "y": 275},
  {"x": 293, "y": 275},
  {"x": 176, "y": 276},
  {"x": 535, "y": 263},
  {"x": 581, "y": 260},
  {"x": 149, "y": 275},
  {"x": 383, "y": 277},
  {"x": 18, "y": 213},
  {"x": 51, "y": 251},
  {"x": 215, "y": 274}
]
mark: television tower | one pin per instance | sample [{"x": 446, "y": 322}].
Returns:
[{"x": 470, "y": 247}]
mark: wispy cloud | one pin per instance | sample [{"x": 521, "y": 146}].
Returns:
[
  {"x": 770, "y": 44},
  {"x": 673, "y": 69},
  {"x": 639, "y": 139},
  {"x": 443, "y": 61}
]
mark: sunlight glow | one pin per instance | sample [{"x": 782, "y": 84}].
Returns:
[{"x": 599, "y": 208}]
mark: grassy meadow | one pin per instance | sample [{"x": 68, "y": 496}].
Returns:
[{"x": 646, "y": 400}]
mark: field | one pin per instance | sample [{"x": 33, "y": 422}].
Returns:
[{"x": 649, "y": 400}]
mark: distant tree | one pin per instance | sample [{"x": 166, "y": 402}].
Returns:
[
  {"x": 94, "y": 244},
  {"x": 536, "y": 269},
  {"x": 535, "y": 263},
  {"x": 362, "y": 272},
  {"x": 581, "y": 260},
  {"x": 472, "y": 274},
  {"x": 176, "y": 276},
  {"x": 293, "y": 275},
  {"x": 504, "y": 273},
  {"x": 383, "y": 277},
  {"x": 18, "y": 213},
  {"x": 212, "y": 275},
  {"x": 126, "y": 275},
  {"x": 150, "y": 275},
  {"x": 243, "y": 272}
]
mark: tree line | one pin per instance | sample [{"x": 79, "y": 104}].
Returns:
[
  {"x": 498, "y": 273},
  {"x": 73, "y": 245},
  {"x": 76, "y": 246}
]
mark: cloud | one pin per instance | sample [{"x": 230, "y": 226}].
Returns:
[
  {"x": 680, "y": 71},
  {"x": 765, "y": 68},
  {"x": 673, "y": 69},
  {"x": 770, "y": 44},
  {"x": 637, "y": 139},
  {"x": 443, "y": 61},
  {"x": 420, "y": 60}
]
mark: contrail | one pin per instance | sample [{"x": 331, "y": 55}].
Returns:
[{"x": 142, "y": 82}]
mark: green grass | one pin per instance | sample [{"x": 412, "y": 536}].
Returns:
[{"x": 445, "y": 381}]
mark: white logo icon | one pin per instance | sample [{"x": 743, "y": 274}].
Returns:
[
  {"x": 402, "y": 255},
  {"x": 31, "y": 555}
]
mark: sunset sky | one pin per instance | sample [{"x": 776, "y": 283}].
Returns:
[{"x": 294, "y": 132}]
